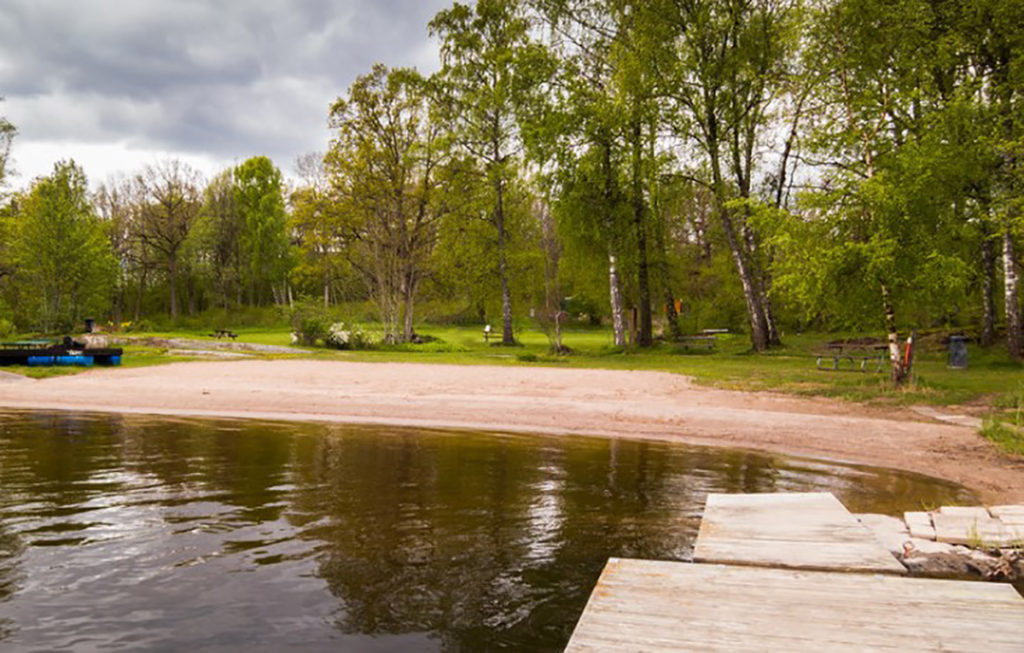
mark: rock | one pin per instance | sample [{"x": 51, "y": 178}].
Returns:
[
  {"x": 95, "y": 340},
  {"x": 939, "y": 564},
  {"x": 1001, "y": 564},
  {"x": 922, "y": 545}
]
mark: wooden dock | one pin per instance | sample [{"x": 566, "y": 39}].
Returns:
[
  {"x": 772, "y": 572},
  {"x": 799, "y": 531},
  {"x": 646, "y": 605}
]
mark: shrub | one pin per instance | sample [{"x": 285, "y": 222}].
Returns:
[
  {"x": 342, "y": 336},
  {"x": 310, "y": 322}
]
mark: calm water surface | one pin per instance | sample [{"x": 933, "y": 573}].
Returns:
[{"x": 162, "y": 534}]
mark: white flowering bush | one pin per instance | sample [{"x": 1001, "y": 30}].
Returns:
[{"x": 344, "y": 336}]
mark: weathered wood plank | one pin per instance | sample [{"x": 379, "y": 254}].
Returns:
[
  {"x": 978, "y": 512},
  {"x": 920, "y": 525},
  {"x": 644, "y": 605},
  {"x": 970, "y": 530},
  {"x": 1009, "y": 514},
  {"x": 798, "y": 530}
]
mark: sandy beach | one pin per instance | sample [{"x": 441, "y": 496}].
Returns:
[{"x": 552, "y": 401}]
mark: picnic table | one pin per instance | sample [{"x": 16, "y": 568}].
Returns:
[
  {"x": 224, "y": 333},
  {"x": 860, "y": 356}
]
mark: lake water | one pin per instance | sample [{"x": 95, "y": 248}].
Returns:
[{"x": 172, "y": 534}]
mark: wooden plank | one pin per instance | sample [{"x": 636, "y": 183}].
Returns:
[
  {"x": 795, "y": 530},
  {"x": 645, "y": 605},
  {"x": 1008, "y": 514},
  {"x": 920, "y": 525},
  {"x": 977, "y": 512},
  {"x": 972, "y": 531}
]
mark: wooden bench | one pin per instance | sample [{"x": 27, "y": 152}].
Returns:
[
  {"x": 223, "y": 333},
  {"x": 860, "y": 357}
]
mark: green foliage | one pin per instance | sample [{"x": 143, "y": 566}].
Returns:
[
  {"x": 310, "y": 322},
  {"x": 384, "y": 165},
  {"x": 65, "y": 269},
  {"x": 800, "y": 156},
  {"x": 1005, "y": 425},
  {"x": 1008, "y": 436},
  {"x": 259, "y": 201}
]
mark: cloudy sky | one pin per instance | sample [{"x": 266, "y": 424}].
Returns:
[{"x": 116, "y": 85}]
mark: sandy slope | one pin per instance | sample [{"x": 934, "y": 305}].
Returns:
[{"x": 543, "y": 400}]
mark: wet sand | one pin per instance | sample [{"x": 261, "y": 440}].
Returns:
[{"x": 553, "y": 401}]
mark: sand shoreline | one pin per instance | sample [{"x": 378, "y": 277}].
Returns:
[{"x": 552, "y": 401}]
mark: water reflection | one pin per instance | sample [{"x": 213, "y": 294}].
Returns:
[{"x": 143, "y": 533}]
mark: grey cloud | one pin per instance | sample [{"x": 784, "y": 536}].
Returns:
[{"x": 223, "y": 79}]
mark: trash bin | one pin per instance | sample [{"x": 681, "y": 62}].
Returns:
[{"x": 958, "y": 352}]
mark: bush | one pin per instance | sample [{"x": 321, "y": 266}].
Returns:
[
  {"x": 310, "y": 322},
  {"x": 6, "y": 328},
  {"x": 342, "y": 336}
]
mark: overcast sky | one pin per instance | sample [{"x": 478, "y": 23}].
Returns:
[{"x": 116, "y": 85}]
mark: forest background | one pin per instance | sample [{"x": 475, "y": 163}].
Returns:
[{"x": 659, "y": 167}]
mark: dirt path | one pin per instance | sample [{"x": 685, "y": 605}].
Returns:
[{"x": 540, "y": 400}]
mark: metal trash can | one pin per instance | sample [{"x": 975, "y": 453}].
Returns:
[{"x": 958, "y": 352}]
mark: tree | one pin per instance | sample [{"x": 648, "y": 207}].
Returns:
[
  {"x": 383, "y": 164},
  {"x": 597, "y": 131},
  {"x": 169, "y": 197},
  {"x": 994, "y": 42},
  {"x": 490, "y": 68},
  {"x": 7, "y": 133},
  {"x": 117, "y": 205},
  {"x": 317, "y": 222},
  {"x": 62, "y": 254},
  {"x": 726, "y": 64},
  {"x": 259, "y": 200},
  {"x": 881, "y": 212},
  {"x": 218, "y": 231}
]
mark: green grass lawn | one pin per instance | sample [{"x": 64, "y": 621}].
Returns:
[{"x": 731, "y": 365}]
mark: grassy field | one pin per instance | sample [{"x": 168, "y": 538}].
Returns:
[{"x": 791, "y": 368}]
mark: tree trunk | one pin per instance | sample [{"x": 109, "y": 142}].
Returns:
[
  {"x": 759, "y": 337},
  {"x": 762, "y": 281},
  {"x": 614, "y": 287},
  {"x": 190, "y": 294},
  {"x": 899, "y": 370},
  {"x": 1013, "y": 322},
  {"x": 751, "y": 293},
  {"x": 618, "y": 317},
  {"x": 408, "y": 297},
  {"x": 774, "y": 339},
  {"x": 988, "y": 287},
  {"x": 671, "y": 316},
  {"x": 507, "y": 337},
  {"x": 139, "y": 296},
  {"x": 645, "y": 336},
  {"x": 172, "y": 277}
]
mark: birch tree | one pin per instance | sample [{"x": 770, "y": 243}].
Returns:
[{"x": 490, "y": 67}]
